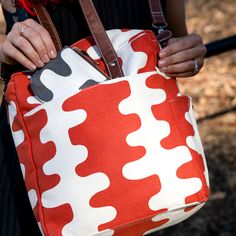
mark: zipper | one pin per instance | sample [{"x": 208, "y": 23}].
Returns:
[{"x": 87, "y": 58}]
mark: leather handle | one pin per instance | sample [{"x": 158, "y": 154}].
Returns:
[
  {"x": 102, "y": 41},
  {"x": 46, "y": 21},
  {"x": 159, "y": 22},
  {"x": 158, "y": 17}
]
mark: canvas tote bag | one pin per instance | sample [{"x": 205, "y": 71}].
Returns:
[{"x": 106, "y": 142}]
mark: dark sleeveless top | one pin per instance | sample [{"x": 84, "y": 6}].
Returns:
[{"x": 16, "y": 217}]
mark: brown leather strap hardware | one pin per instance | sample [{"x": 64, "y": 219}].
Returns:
[
  {"x": 46, "y": 21},
  {"x": 159, "y": 22}
]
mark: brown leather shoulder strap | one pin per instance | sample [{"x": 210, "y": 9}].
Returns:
[
  {"x": 157, "y": 13},
  {"x": 102, "y": 41},
  {"x": 46, "y": 21},
  {"x": 159, "y": 22}
]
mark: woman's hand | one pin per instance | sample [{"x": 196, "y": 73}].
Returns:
[
  {"x": 29, "y": 44},
  {"x": 183, "y": 56}
]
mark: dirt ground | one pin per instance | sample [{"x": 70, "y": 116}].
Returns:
[{"x": 213, "y": 91}]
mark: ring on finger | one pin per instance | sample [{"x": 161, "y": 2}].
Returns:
[
  {"x": 196, "y": 66},
  {"x": 22, "y": 30}
]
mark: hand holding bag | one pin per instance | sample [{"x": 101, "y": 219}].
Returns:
[{"x": 107, "y": 144}]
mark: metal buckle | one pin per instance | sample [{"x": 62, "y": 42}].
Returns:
[{"x": 159, "y": 28}]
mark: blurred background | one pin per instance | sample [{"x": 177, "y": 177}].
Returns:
[
  {"x": 214, "y": 97},
  {"x": 213, "y": 91}
]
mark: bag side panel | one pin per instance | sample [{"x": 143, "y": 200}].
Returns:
[{"x": 19, "y": 83}]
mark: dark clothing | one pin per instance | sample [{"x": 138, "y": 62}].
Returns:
[{"x": 16, "y": 216}]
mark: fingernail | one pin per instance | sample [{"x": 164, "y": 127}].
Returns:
[
  {"x": 163, "y": 69},
  {"x": 46, "y": 59},
  {"x": 33, "y": 67},
  {"x": 162, "y": 54},
  {"x": 162, "y": 62},
  {"x": 52, "y": 54},
  {"x": 40, "y": 63}
]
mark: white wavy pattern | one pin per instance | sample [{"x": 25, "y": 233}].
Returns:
[
  {"x": 18, "y": 135},
  {"x": 157, "y": 160},
  {"x": 194, "y": 142}
]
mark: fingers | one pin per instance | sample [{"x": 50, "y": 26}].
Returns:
[
  {"x": 12, "y": 55},
  {"x": 28, "y": 43},
  {"x": 34, "y": 44},
  {"x": 177, "y": 58},
  {"x": 44, "y": 35},
  {"x": 184, "y": 69},
  {"x": 28, "y": 50},
  {"x": 179, "y": 44},
  {"x": 181, "y": 56}
]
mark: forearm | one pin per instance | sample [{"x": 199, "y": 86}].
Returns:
[{"x": 175, "y": 16}]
